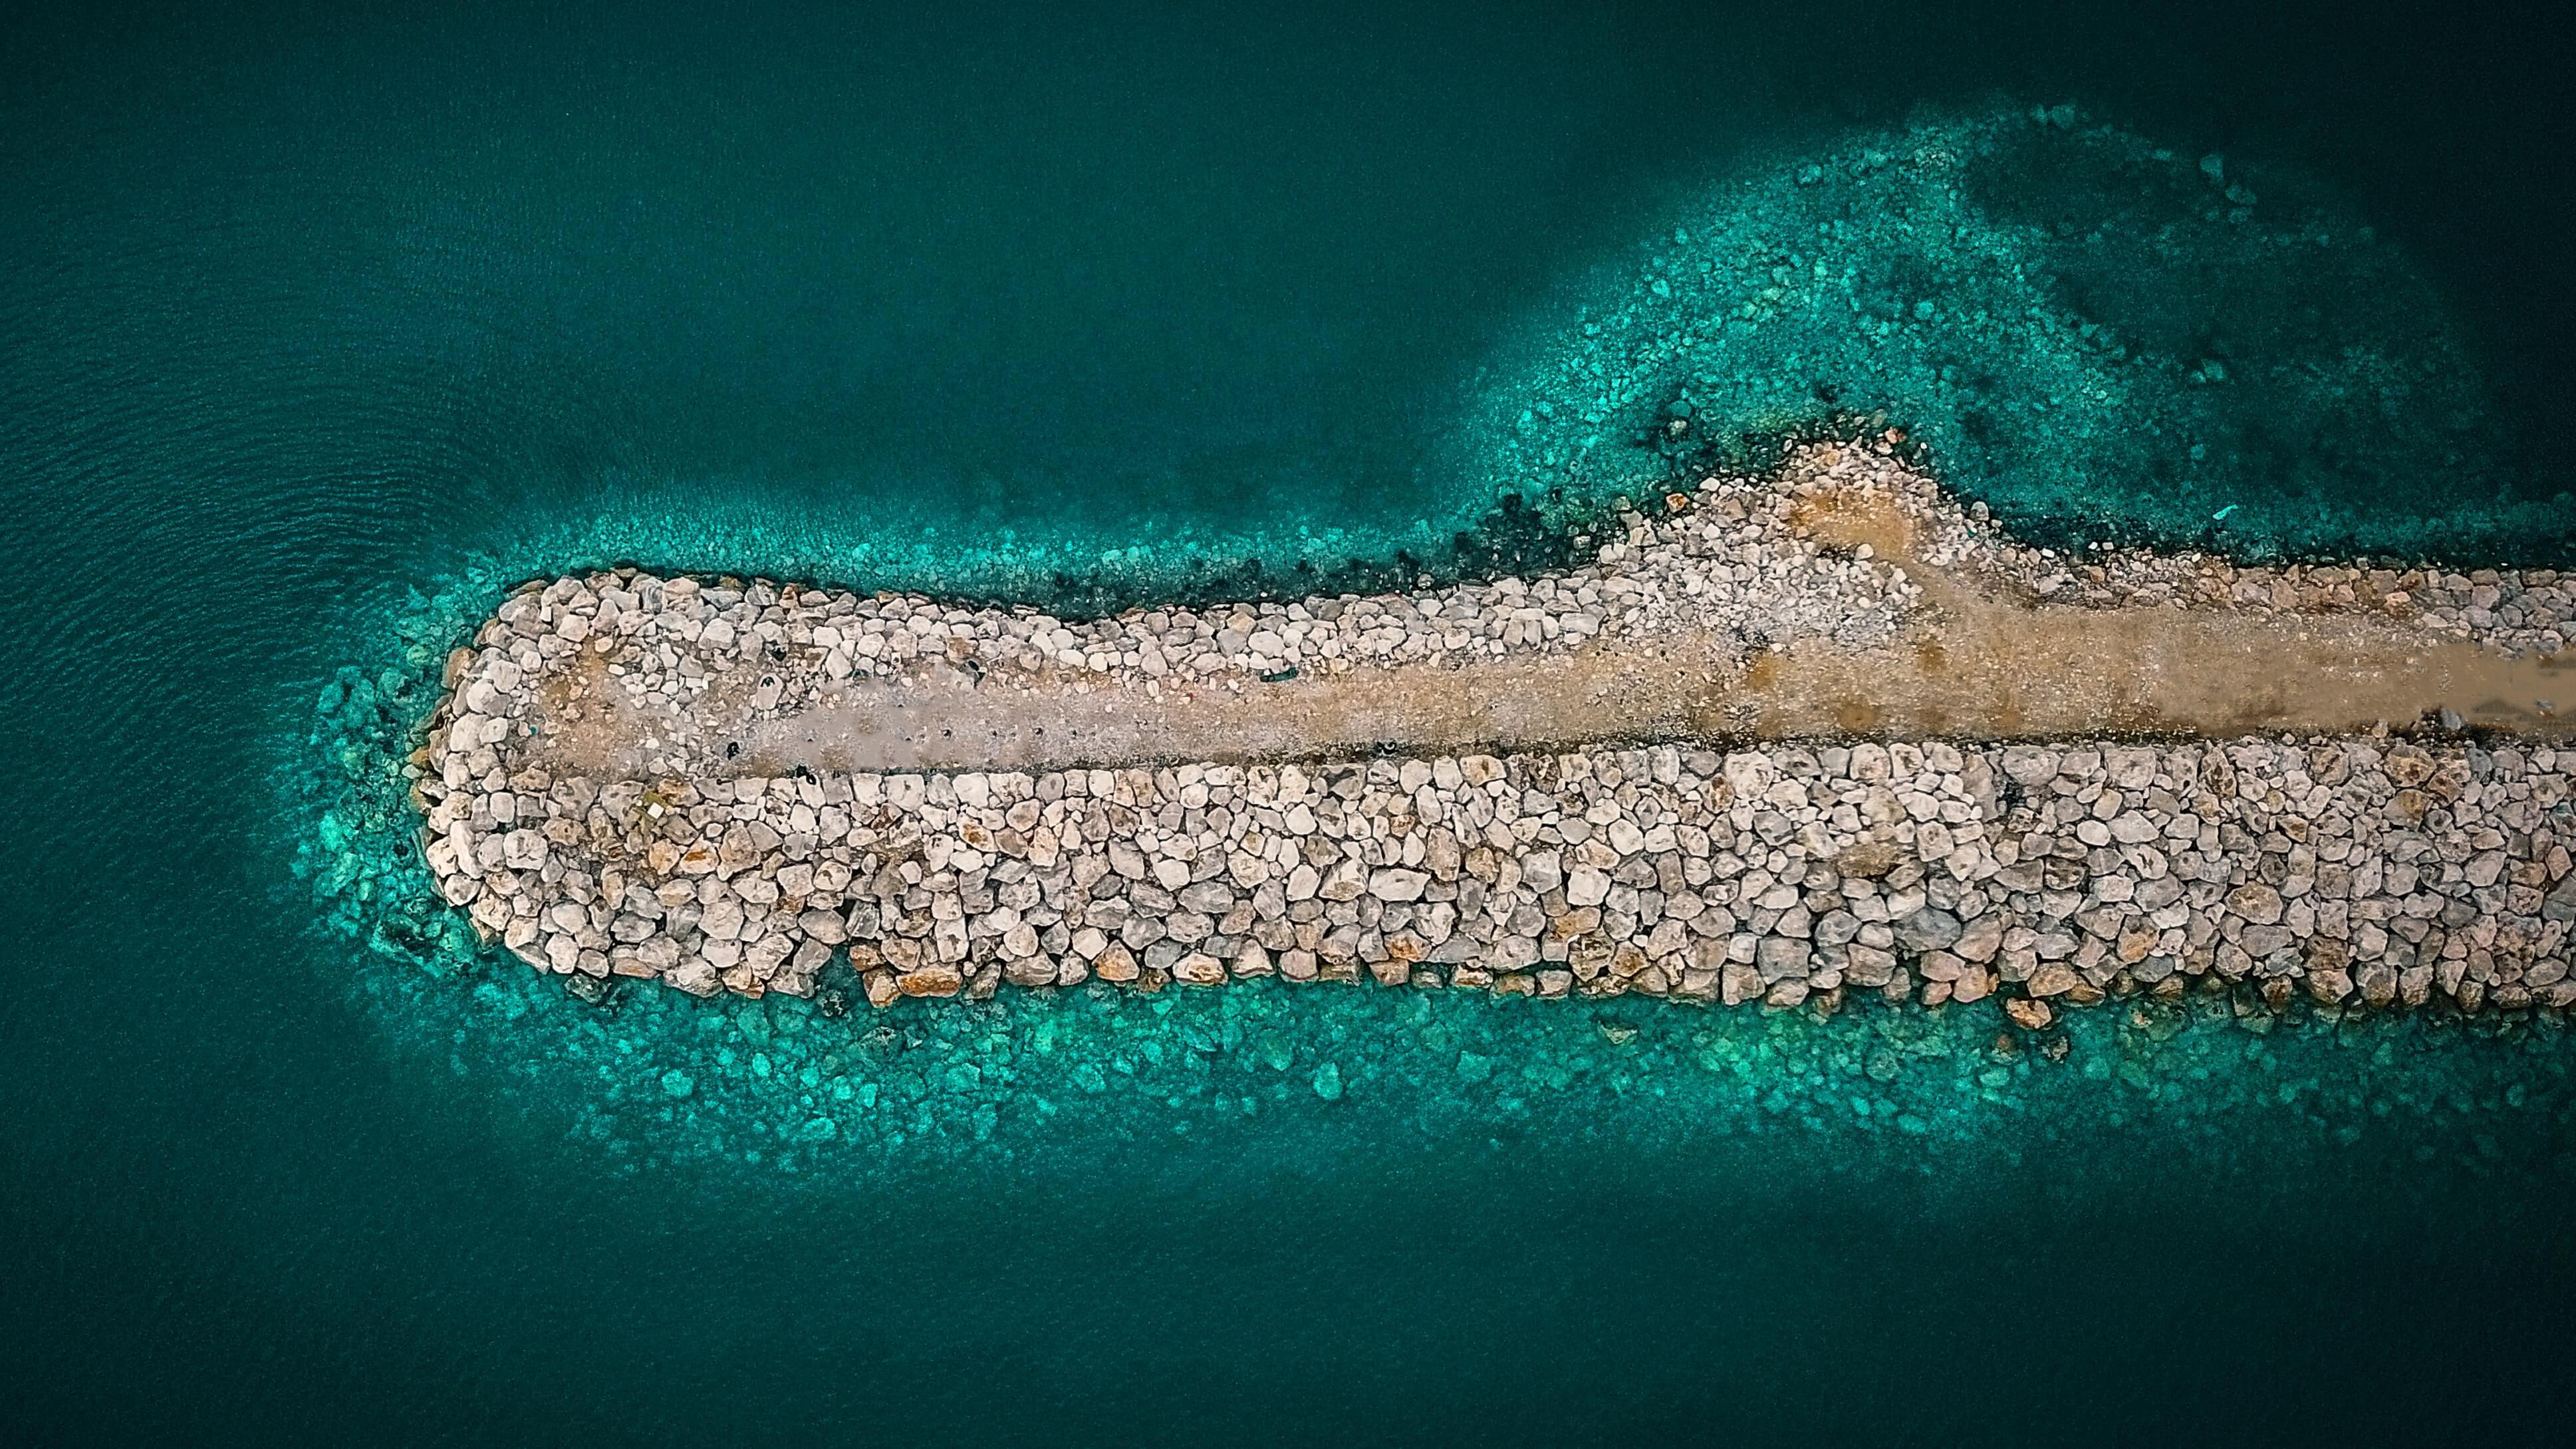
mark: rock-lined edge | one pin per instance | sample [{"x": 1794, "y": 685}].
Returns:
[{"x": 2374, "y": 870}]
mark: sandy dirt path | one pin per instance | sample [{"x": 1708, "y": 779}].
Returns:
[{"x": 1978, "y": 662}]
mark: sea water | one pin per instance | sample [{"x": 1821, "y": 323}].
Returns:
[{"x": 322, "y": 331}]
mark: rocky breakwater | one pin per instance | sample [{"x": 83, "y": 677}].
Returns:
[
  {"x": 636, "y": 777},
  {"x": 2375, "y": 871}
]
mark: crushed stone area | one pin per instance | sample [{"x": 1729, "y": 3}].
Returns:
[{"x": 2375, "y": 871}]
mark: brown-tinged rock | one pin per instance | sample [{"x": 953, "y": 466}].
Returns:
[{"x": 2029, "y": 1014}]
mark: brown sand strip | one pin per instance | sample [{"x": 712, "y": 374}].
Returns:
[{"x": 1980, "y": 662}]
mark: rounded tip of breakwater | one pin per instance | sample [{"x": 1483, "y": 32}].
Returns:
[{"x": 732, "y": 786}]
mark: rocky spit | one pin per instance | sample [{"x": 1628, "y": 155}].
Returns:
[{"x": 2369, "y": 870}]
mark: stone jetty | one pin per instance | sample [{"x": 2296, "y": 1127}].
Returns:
[{"x": 1783, "y": 740}]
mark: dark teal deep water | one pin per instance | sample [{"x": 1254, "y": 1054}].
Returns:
[{"x": 318, "y": 329}]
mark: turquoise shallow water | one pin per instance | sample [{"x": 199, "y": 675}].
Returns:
[{"x": 320, "y": 331}]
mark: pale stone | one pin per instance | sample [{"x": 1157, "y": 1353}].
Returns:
[
  {"x": 1397, "y": 886},
  {"x": 1585, "y": 886}
]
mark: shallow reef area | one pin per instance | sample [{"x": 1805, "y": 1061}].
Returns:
[{"x": 2098, "y": 336}]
